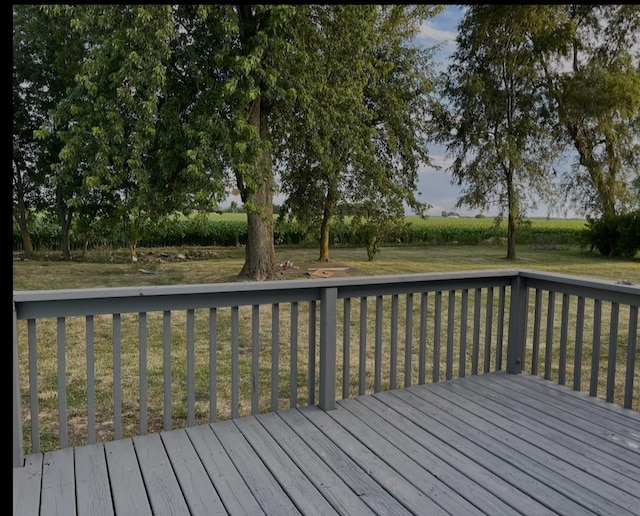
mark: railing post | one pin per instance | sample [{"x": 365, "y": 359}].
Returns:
[
  {"x": 18, "y": 459},
  {"x": 328, "y": 330},
  {"x": 517, "y": 325}
]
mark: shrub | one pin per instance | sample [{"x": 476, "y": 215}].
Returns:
[{"x": 615, "y": 235}]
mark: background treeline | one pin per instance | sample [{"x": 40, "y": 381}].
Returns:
[
  {"x": 231, "y": 230},
  {"x": 124, "y": 114}
]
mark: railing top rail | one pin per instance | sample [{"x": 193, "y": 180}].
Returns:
[
  {"x": 251, "y": 286},
  {"x": 66, "y": 302},
  {"x": 588, "y": 287}
]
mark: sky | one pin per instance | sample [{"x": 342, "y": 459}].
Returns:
[{"x": 435, "y": 185}]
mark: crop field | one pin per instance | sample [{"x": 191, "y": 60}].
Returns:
[
  {"x": 230, "y": 230},
  {"x": 487, "y": 222},
  {"x": 481, "y": 223}
]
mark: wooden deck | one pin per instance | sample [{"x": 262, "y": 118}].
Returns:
[{"x": 489, "y": 444}]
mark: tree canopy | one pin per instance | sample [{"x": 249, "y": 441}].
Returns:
[
  {"x": 495, "y": 127},
  {"x": 531, "y": 85},
  {"x": 363, "y": 136},
  {"x": 127, "y": 113},
  {"x": 590, "y": 59}
]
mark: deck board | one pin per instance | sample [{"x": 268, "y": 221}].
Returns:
[
  {"x": 127, "y": 486},
  {"x": 413, "y": 498},
  {"x": 333, "y": 488},
  {"x": 596, "y": 435},
  {"x": 480, "y": 486},
  {"x": 573, "y": 447},
  {"x": 575, "y": 472},
  {"x": 266, "y": 490},
  {"x": 555, "y": 391},
  {"x": 163, "y": 489},
  {"x": 199, "y": 491},
  {"x": 343, "y": 466},
  {"x": 386, "y": 448},
  {"x": 27, "y": 482},
  {"x": 92, "y": 481},
  {"x": 58, "y": 483},
  {"x": 289, "y": 476},
  {"x": 234, "y": 493},
  {"x": 529, "y": 477},
  {"x": 489, "y": 444},
  {"x": 605, "y": 425}
]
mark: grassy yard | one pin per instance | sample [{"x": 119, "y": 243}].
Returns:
[
  {"x": 206, "y": 265},
  {"x": 210, "y": 265}
]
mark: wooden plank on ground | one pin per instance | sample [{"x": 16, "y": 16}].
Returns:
[
  {"x": 265, "y": 489},
  {"x": 93, "y": 490},
  {"x": 163, "y": 489},
  {"x": 471, "y": 481},
  {"x": 27, "y": 481},
  {"x": 233, "y": 491},
  {"x": 359, "y": 480},
  {"x": 58, "y": 483},
  {"x": 292, "y": 479},
  {"x": 409, "y": 495},
  {"x": 341, "y": 497},
  {"x": 127, "y": 486},
  {"x": 199, "y": 492}
]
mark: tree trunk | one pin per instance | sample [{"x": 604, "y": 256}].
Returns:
[
  {"x": 512, "y": 202},
  {"x": 260, "y": 257},
  {"x": 21, "y": 219},
  {"x": 27, "y": 244},
  {"x": 132, "y": 231},
  {"x": 324, "y": 236},
  {"x": 64, "y": 216},
  {"x": 20, "y": 211},
  {"x": 603, "y": 181},
  {"x": 260, "y": 254},
  {"x": 511, "y": 237}
]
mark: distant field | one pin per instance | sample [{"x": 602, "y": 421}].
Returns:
[
  {"x": 230, "y": 229},
  {"x": 487, "y": 222},
  {"x": 456, "y": 222}
]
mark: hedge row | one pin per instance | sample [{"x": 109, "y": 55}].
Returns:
[{"x": 199, "y": 232}]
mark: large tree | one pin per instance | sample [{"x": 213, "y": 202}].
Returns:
[
  {"x": 46, "y": 57},
  {"x": 25, "y": 106},
  {"x": 495, "y": 112},
  {"x": 329, "y": 118},
  {"x": 230, "y": 61},
  {"x": 363, "y": 137},
  {"x": 262, "y": 47},
  {"x": 110, "y": 113},
  {"x": 590, "y": 57}
]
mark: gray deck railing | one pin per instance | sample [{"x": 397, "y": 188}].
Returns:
[{"x": 105, "y": 363}]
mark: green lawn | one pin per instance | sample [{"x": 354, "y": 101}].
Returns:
[{"x": 208, "y": 265}]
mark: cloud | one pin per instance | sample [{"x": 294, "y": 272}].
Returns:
[
  {"x": 430, "y": 34},
  {"x": 442, "y": 29}
]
